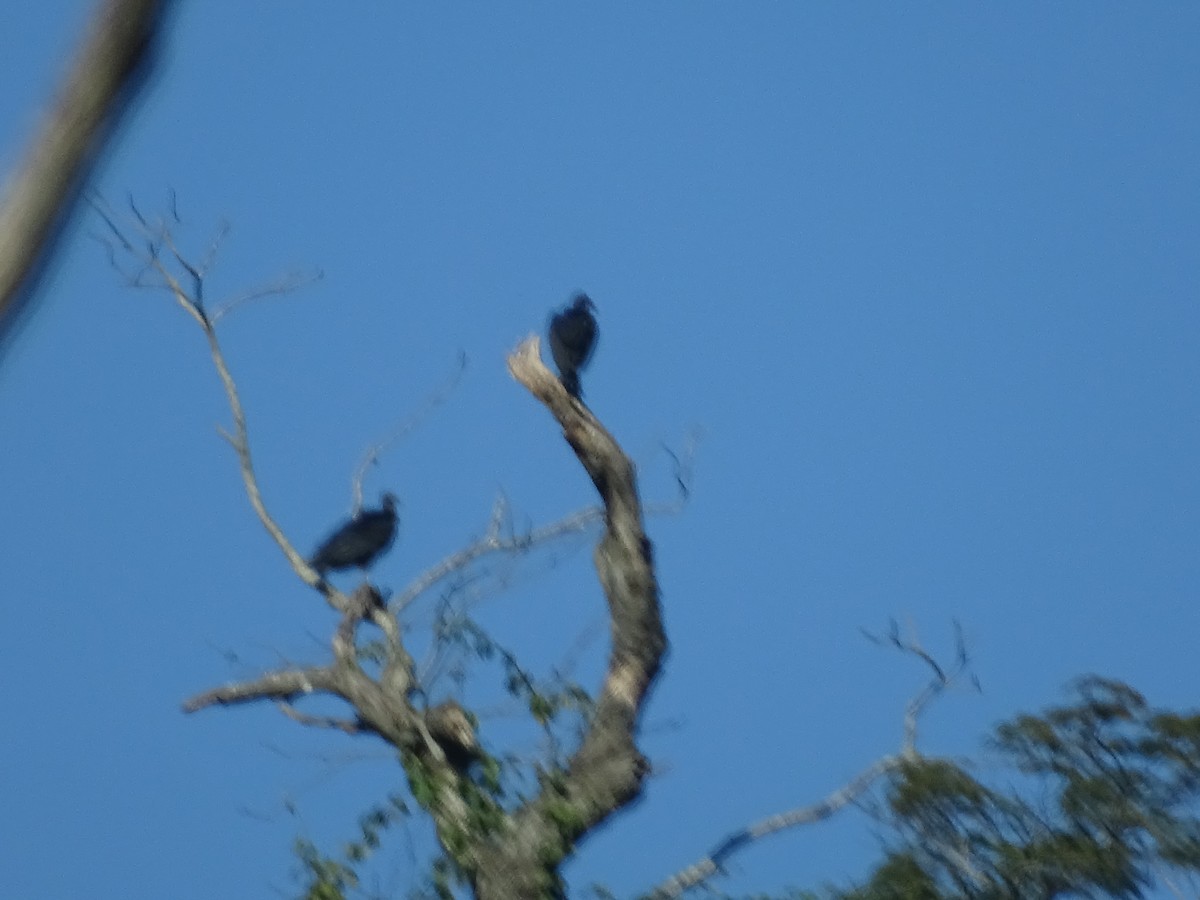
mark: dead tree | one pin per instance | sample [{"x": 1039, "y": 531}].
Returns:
[{"x": 503, "y": 852}]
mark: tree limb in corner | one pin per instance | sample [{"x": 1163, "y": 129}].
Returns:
[{"x": 108, "y": 71}]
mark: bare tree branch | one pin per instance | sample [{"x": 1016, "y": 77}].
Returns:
[
  {"x": 494, "y": 541},
  {"x": 942, "y": 678},
  {"x": 241, "y": 445},
  {"x": 210, "y": 257},
  {"x": 499, "y": 539},
  {"x": 520, "y": 857},
  {"x": 347, "y": 725},
  {"x": 285, "y": 686},
  {"x": 682, "y": 464},
  {"x": 106, "y": 75},
  {"x": 700, "y": 872},
  {"x": 287, "y": 284},
  {"x": 383, "y": 706},
  {"x": 606, "y": 773},
  {"x": 432, "y": 402},
  {"x": 191, "y": 300}
]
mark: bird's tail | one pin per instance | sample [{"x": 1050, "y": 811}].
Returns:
[{"x": 570, "y": 380}]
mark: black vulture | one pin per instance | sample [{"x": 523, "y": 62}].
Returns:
[
  {"x": 360, "y": 541},
  {"x": 572, "y": 340}
]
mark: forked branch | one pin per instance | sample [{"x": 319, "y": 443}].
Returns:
[
  {"x": 432, "y": 402},
  {"x": 701, "y": 871},
  {"x": 606, "y": 773},
  {"x": 520, "y": 857},
  {"x": 495, "y": 540},
  {"x": 152, "y": 248}
]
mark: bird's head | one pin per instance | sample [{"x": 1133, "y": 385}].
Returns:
[
  {"x": 583, "y": 302},
  {"x": 389, "y": 501}
]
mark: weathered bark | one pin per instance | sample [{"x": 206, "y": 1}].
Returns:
[
  {"x": 105, "y": 77},
  {"x": 506, "y": 855},
  {"x": 521, "y": 860}
]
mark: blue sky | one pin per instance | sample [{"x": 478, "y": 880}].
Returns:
[{"x": 926, "y": 278}]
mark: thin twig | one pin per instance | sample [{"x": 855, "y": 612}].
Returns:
[
  {"x": 293, "y": 281},
  {"x": 494, "y": 542},
  {"x": 210, "y": 257},
  {"x": 699, "y": 872},
  {"x": 192, "y": 302},
  {"x": 941, "y": 680},
  {"x": 375, "y": 451},
  {"x": 682, "y": 463},
  {"x": 347, "y": 725}
]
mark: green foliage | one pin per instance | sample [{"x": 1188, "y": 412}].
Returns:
[
  {"x": 490, "y": 771},
  {"x": 480, "y": 785},
  {"x": 421, "y": 781},
  {"x": 481, "y": 800},
  {"x": 566, "y": 815},
  {"x": 443, "y": 878},
  {"x": 899, "y": 877},
  {"x": 545, "y": 702},
  {"x": 484, "y": 812},
  {"x": 327, "y": 878},
  {"x": 1114, "y": 809}
]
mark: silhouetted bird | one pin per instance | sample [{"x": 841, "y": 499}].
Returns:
[
  {"x": 360, "y": 541},
  {"x": 572, "y": 340}
]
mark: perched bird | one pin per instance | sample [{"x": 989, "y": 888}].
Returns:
[
  {"x": 360, "y": 541},
  {"x": 572, "y": 340}
]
